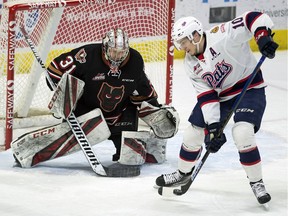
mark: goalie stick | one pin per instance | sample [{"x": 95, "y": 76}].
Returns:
[
  {"x": 114, "y": 170},
  {"x": 184, "y": 188}
]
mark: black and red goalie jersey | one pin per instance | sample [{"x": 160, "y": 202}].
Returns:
[{"x": 110, "y": 89}]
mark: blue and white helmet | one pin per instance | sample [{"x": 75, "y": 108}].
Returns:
[{"x": 185, "y": 27}]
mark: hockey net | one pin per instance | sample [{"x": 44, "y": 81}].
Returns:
[{"x": 59, "y": 26}]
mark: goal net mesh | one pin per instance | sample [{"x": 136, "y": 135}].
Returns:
[{"x": 55, "y": 30}]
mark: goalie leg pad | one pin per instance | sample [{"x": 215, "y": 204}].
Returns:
[
  {"x": 156, "y": 149},
  {"x": 139, "y": 147},
  {"x": 66, "y": 95},
  {"x": 58, "y": 140},
  {"x": 133, "y": 151},
  {"x": 164, "y": 121}
]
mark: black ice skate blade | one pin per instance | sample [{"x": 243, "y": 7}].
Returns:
[{"x": 120, "y": 170}]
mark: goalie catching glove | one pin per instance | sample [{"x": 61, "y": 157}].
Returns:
[{"x": 163, "y": 120}]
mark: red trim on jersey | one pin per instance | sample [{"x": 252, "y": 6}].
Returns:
[
  {"x": 205, "y": 93},
  {"x": 200, "y": 56}
]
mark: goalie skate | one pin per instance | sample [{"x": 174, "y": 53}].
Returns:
[
  {"x": 260, "y": 192},
  {"x": 174, "y": 179}
]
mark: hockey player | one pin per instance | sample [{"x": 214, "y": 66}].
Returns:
[
  {"x": 116, "y": 86},
  {"x": 218, "y": 63}
]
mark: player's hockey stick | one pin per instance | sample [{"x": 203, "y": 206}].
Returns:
[
  {"x": 115, "y": 170},
  {"x": 184, "y": 188}
]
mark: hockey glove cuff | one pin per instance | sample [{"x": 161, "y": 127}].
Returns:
[{"x": 212, "y": 142}]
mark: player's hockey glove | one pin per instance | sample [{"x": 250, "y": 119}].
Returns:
[
  {"x": 265, "y": 42},
  {"x": 212, "y": 142}
]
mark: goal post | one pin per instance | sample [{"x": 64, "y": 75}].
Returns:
[{"x": 59, "y": 26}]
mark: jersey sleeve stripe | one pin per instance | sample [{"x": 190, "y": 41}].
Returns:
[{"x": 251, "y": 18}]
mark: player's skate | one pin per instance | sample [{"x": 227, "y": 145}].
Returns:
[
  {"x": 174, "y": 179},
  {"x": 260, "y": 192}
]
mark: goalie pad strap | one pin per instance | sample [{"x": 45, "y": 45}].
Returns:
[{"x": 58, "y": 140}]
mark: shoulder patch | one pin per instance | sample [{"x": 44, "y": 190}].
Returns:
[
  {"x": 222, "y": 27},
  {"x": 81, "y": 56},
  {"x": 215, "y": 29}
]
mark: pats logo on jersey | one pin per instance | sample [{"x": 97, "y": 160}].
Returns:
[{"x": 216, "y": 78}]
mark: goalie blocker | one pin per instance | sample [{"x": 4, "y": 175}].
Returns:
[{"x": 65, "y": 97}]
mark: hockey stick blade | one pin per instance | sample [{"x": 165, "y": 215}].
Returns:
[
  {"x": 172, "y": 191},
  {"x": 168, "y": 191},
  {"x": 120, "y": 170},
  {"x": 184, "y": 188}
]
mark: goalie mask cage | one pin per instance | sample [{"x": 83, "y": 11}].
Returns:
[{"x": 59, "y": 26}]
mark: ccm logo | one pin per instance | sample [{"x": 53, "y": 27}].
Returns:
[
  {"x": 57, "y": 93},
  {"x": 43, "y": 132},
  {"x": 244, "y": 110}
]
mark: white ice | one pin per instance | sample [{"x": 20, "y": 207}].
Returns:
[{"x": 67, "y": 186}]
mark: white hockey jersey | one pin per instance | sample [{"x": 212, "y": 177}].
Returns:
[{"x": 227, "y": 63}]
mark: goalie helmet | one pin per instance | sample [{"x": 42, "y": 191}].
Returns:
[
  {"x": 115, "y": 46},
  {"x": 185, "y": 27}
]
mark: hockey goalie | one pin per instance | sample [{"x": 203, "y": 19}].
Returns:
[{"x": 106, "y": 87}]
